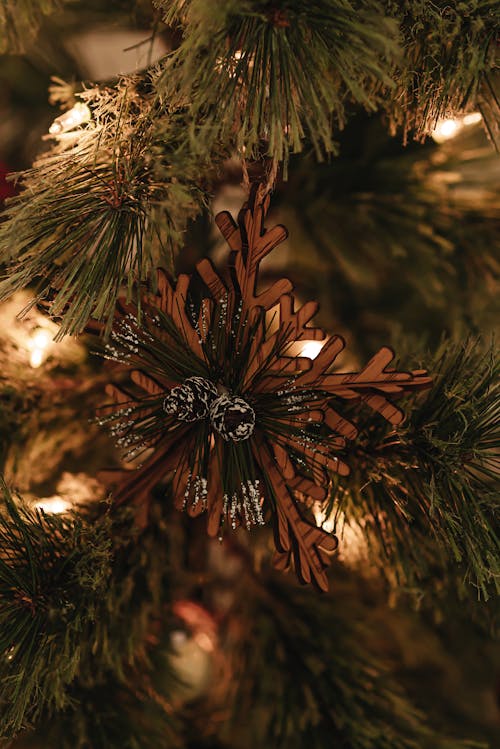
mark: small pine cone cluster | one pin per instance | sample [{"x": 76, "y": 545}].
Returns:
[
  {"x": 197, "y": 398},
  {"x": 191, "y": 401},
  {"x": 232, "y": 417}
]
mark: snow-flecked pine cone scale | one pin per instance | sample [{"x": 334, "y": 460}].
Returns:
[
  {"x": 232, "y": 417},
  {"x": 191, "y": 401}
]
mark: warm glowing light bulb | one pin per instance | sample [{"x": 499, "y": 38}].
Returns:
[
  {"x": 445, "y": 130},
  {"x": 321, "y": 518},
  {"x": 38, "y": 345},
  {"x": 473, "y": 118},
  {"x": 77, "y": 115},
  {"x": 311, "y": 349},
  {"x": 36, "y": 358},
  {"x": 53, "y": 505}
]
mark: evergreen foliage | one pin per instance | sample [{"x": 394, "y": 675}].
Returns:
[
  {"x": 451, "y": 53},
  {"x": 112, "y": 716},
  {"x": 389, "y": 238},
  {"x": 67, "y": 585},
  {"x": 426, "y": 243},
  {"x": 306, "y": 671},
  {"x": 20, "y": 20},
  {"x": 257, "y": 77},
  {"x": 273, "y": 72},
  {"x": 103, "y": 207},
  {"x": 427, "y": 496}
]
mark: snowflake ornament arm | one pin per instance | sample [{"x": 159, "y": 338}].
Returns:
[{"x": 218, "y": 401}]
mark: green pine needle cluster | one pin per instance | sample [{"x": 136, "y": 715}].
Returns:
[
  {"x": 112, "y": 716},
  {"x": 266, "y": 74},
  {"x": 67, "y": 584},
  {"x": 20, "y": 20},
  {"x": 307, "y": 671},
  {"x": 386, "y": 234},
  {"x": 102, "y": 208},
  {"x": 426, "y": 496},
  {"x": 451, "y": 53}
]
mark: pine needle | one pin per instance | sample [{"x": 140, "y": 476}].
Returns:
[
  {"x": 307, "y": 671},
  {"x": 102, "y": 211},
  {"x": 270, "y": 73},
  {"x": 21, "y": 19},
  {"x": 66, "y": 585},
  {"x": 451, "y": 51},
  {"x": 432, "y": 500}
]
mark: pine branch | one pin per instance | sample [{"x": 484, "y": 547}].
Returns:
[
  {"x": 14, "y": 405},
  {"x": 271, "y": 72},
  {"x": 489, "y": 105},
  {"x": 66, "y": 585},
  {"x": 102, "y": 208},
  {"x": 306, "y": 670},
  {"x": 431, "y": 501},
  {"x": 385, "y": 235},
  {"x": 113, "y": 716},
  {"x": 21, "y": 19},
  {"x": 451, "y": 52}
]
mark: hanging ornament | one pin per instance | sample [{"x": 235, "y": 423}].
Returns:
[
  {"x": 217, "y": 400},
  {"x": 193, "y": 654}
]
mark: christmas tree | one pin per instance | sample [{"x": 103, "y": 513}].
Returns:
[{"x": 249, "y": 412}]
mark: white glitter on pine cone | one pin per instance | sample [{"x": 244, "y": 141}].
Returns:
[
  {"x": 232, "y": 417},
  {"x": 190, "y": 401}
]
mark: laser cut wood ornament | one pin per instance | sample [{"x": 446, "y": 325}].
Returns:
[{"x": 217, "y": 400}]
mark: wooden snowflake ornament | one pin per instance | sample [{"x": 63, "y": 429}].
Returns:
[{"x": 217, "y": 400}]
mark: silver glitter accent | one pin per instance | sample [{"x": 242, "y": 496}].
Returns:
[
  {"x": 246, "y": 504},
  {"x": 196, "y": 491},
  {"x": 191, "y": 400}
]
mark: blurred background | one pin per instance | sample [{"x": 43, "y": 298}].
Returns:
[{"x": 399, "y": 243}]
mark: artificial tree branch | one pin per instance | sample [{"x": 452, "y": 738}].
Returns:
[
  {"x": 425, "y": 494},
  {"x": 67, "y": 583}
]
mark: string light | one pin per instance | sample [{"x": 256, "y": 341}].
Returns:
[
  {"x": 29, "y": 338},
  {"x": 322, "y": 519},
  {"x": 38, "y": 345},
  {"x": 77, "y": 115},
  {"x": 72, "y": 490},
  {"x": 311, "y": 349},
  {"x": 472, "y": 119},
  {"x": 353, "y": 545},
  {"x": 53, "y": 505},
  {"x": 445, "y": 129},
  {"x": 449, "y": 128}
]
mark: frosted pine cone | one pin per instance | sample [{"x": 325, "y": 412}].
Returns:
[
  {"x": 191, "y": 401},
  {"x": 232, "y": 417}
]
